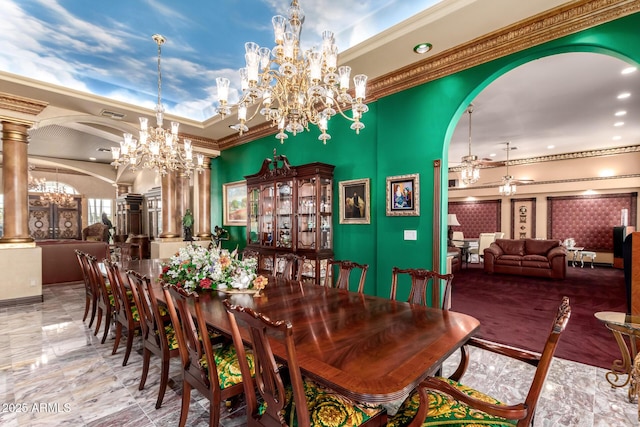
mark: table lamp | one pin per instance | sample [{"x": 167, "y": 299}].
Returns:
[{"x": 452, "y": 220}]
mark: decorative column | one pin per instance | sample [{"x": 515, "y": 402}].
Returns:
[
  {"x": 15, "y": 183},
  {"x": 202, "y": 201},
  {"x": 169, "y": 206},
  {"x": 183, "y": 199}
]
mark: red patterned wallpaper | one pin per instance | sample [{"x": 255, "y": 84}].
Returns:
[
  {"x": 589, "y": 219},
  {"x": 477, "y": 217}
]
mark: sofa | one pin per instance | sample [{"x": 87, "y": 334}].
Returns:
[
  {"x": 59, "y": 261},
  {"x": 526, "y": 257}
]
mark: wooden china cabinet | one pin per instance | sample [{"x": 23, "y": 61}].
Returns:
[{"x": 289, "y": 210}]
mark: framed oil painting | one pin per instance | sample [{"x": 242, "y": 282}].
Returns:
[
  {"x": 403, "y": 195},
  {"x": 355, "y": 201},
  {"x": 234, "y": 203}
]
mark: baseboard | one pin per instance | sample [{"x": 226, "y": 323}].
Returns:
[{"x": 21, "y": 301}]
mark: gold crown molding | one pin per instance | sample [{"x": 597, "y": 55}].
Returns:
[
  {"x": 565, "y": 156},
  {"x": 21, "y": 105},
  {"x": 554, "y": 181},
  {"x": 199, "y": 141},
  {"x": 256, "y": 132},
  {"x": 542, "y": 28}
]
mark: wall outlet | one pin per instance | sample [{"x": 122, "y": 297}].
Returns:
[{"x": 33, "y": 282}]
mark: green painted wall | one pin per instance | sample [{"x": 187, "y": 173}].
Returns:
[{"x": 404, "y": 134}]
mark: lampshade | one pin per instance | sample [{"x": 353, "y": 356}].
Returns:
[{"x": 452, "y": 220}]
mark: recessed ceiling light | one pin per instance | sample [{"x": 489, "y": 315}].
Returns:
[
  {"x": 620, "y": 113},
  {"x": 618, "y": 124},
  {"x": 492, "y": 155},
  {"x": 93, "y": 159},
  {"x": 628, "y": 70},
  {"x": 617, "y": 138},
  {"x": 551, "y": 146},
  {"x": 422, "y": 48},
  {"x": 624, "y": 95}
]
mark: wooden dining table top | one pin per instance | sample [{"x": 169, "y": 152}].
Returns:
[{"x": 368, "y": 348}]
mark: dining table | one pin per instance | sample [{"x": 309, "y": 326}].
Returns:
[{"x": 369, "y": 348}]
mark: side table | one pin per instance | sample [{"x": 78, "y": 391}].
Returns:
[{"x": 621, "y": 325}]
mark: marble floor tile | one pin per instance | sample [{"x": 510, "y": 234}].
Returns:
[{"x": 54, "y": 371}]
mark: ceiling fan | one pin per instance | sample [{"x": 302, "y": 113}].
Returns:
[
  {"x": 508, "y": 183},
  {"x": 470, "y": 165}
]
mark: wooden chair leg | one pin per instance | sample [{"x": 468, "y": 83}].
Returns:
[
  {"x": 87, "y": 305},
  {"x": 164, "y": 379},
  {"x": 130, "y": 336},
  {"x": 116, "y": 343},
  {"x": 186, "y": 399},
  {"x": 99, "y": 321},
  {"x": 146, "y": 356},
  {"x": 107, "y": 325},
  {"x": 94, "y": 309}
]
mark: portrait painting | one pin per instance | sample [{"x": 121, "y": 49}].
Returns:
[
  {"x": 403, "y": 195},
  {"x": 354, "y": 201},
  {"x": 234, "y": 203}
]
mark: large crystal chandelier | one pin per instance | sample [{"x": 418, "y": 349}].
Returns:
[
  {"x": 157, "y": 148},
  {"x": 292, "y": 88},
  {"x": 470, "y": 170},
  {"x": 54, "y": 194},
  {"x": 508, "y": 186}
]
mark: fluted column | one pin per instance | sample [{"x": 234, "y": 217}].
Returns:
[
  {"x": 169, "y": 206},
  {"x": 183, "y": 199},
  {"x": 202, "y": 196},
  {"x": 15, "y": 183}
]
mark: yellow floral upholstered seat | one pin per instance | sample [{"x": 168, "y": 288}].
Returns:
[
  {"x": 227, "y": 365},
  {"x": 326, "y": 408},
  {"x": 446, "y": 411}
]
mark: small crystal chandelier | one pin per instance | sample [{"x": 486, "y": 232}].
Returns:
[
  {"x": 508, "y": 186},
  {"x": 157, "y": 148},
  {"x": 292, "y": 88},
  {"x": 55, "y": 195},
  {"x": 470, "y": 170}
]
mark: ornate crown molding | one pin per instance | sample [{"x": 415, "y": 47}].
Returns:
[
  {"x": 22, "y": 105},
  {"x": 565, "y": 156}
]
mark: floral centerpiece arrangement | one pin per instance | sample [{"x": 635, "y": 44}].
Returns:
[{"x": 195, "y": 267}]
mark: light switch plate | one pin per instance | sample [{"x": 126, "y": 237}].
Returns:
[{"x": 410, "y": 235}]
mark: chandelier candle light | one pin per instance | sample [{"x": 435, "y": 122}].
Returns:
[
  {"x": 157, "y": 148},
  {"x": 55, "y": 195},
  {"x": 508, "y": 186},
  {"x": 292, "y": 88}
]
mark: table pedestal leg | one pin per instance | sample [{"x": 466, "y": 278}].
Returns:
[{"x": 634, "y": 386}]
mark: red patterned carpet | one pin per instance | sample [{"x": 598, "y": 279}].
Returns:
[{"x": 518, "y": 311}]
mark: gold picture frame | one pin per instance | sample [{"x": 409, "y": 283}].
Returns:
[
  {"x": 403, "y": 195},
  {"x": 234, "y": 203},
  {"x": 355, "y": 201}
]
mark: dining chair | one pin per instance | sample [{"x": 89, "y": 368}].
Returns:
[
  {"x": 420, "y": 280},
  {"x": 125, "y": 311},
  {"x": 91, "y": 294},
  {"x": 344, "y": 269},
  {"x": 484, "y": 240},
  {"x": 158, "y": 334},
  {"x": 291, "y": 399},
  {"x": 291, "y": 266},
  {"x": 197, "y": 355},
  {"x": 104, "y": 300},
  {"x": 440, "y": 401},
  {"x": 457, "y": 238}
]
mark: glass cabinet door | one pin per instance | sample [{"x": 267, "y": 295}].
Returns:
[
  {"x": 284, "y": 214},
  {"x": 267, "y": 226},
  {"x": 307, "y": 216},
  {"x": 253, "y": 198},
  {"x": 325, "y": 213}
]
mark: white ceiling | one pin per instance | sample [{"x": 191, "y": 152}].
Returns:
[{"x": 566, "y": 100}]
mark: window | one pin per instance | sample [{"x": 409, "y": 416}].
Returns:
[{"x": 96, "y": 207}]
